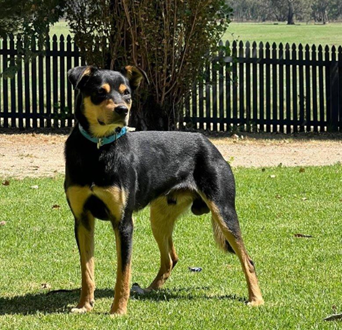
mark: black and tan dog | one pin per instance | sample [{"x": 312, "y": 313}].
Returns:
[{"x": 111, "y": 174}]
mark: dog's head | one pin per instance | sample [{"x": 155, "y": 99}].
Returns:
[{"x": 104, "y": 97}]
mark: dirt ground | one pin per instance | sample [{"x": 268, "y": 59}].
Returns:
[{"x": 38, "y": 155}]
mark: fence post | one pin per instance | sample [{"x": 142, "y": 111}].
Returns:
[
  {"x": 294, "y": 89},
  {"x": 334, "y": 91},
  {"x": 20, "y": 84},
  {"x": 48, "y": 82},
  {"x": 233, "y": 119},
  {"x": 69, "y": 89},
  {"x": 340, "y": 86},
  {"x": 221, "y": 88},
  {"x": 228, "y": 82},
  {"x": 308, "y": 89},
  {"x": 288, "y": 82},
  {"x": 301, "y": 89},
  {"x": 261, "y": 87},
  {"x": 248, "y": 86},
  {"x": 5, "y": 82},
  {"x": 61, "y": 75},
  {"x": 34, "y": 113},
  {"x": 314, "y": 90},
  {"x": 274, "y": 88},
  {"x": 321, "y": 88},
  {"x": 13, "y": 107}
]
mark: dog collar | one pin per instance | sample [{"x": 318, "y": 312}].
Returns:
[{"x": 102, "y": 141}]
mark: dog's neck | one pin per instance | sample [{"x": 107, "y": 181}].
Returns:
[{"x": 104, "y": 140}]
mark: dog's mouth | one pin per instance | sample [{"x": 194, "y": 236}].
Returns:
[{"x": 102, "y": 123}]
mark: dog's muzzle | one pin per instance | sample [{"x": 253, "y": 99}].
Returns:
[{"x": 121, "y": 110}]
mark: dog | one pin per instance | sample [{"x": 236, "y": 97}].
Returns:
[{"x": 111, "y": 173}]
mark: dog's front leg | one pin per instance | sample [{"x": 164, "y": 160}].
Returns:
[
  {"x": 123, "y": 235},
  {"x": 84, "y": 232}
]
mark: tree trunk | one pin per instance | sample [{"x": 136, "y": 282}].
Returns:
[
  {"x": 324, "y": 17},
  {"x": 290, "y": 15}
]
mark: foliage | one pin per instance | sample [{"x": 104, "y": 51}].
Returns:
[
  {"x": 30, "y": 19},
  {"x": 275, "y": 205},
  {"x": 170, "y": 40}
]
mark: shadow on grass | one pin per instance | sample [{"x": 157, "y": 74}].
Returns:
[
  {"x": 60, "y": 302},
  {"x": 190, "y": 293}
]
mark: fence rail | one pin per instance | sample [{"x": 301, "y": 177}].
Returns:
[{"x": 249, "y": 87}]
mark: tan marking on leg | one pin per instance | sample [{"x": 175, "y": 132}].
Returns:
[
  {"x": 123, "y": 277},
  {"x": 84, "y": 223},
  {"x": 163, "y": 217},
  {"x": 255, "y": 296},
  {"x": 106, "y": 87},
  {"x": 86, "y": 249},
  {"x": 114, "y": 198},
  {"x": 77, "y": 196},
  {"x": 173, "y": 254}
]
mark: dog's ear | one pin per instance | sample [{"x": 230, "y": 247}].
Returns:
[
  {"x": 79, "y": 75},
  {"x": 134, "y": 75}
]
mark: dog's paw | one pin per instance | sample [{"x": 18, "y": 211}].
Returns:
[
  {"x": 77, "y": 310},
  {"x": 81, "y": 309},
  {"x": 117, "y": 313},
  {"x": 256, "y": 302}
]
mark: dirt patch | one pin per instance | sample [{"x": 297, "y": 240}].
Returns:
[{"x": 38, "y": 155}]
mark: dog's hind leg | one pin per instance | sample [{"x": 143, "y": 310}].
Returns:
[
  {"x": 123, "y": 237},
  {"x": 163, "y": 217},
  {"x": 225, "y": 219}
]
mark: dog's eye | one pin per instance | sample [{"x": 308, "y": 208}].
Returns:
[
  {"x": 126, "y": 92},
  {"x": 101, "y": 91}
]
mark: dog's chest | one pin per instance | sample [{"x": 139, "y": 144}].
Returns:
[
  {"x": 96, "y": 169},
  {"x": 106, "y": 203}
]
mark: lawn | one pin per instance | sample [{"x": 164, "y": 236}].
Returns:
[
  {"x": 300, "y": 276},
  {"x": 329, "y": 34},
  {"x": 312, "y": 34}
]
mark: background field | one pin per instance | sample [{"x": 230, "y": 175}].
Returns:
[
  {"x": 300, "y": 277},
  {"x": 329, "y": 34}
]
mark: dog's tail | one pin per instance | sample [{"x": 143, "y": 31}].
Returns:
[{"x": 219, "y": 238}]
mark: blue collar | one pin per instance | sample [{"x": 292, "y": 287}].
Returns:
[{"x": 102, "y": 141}]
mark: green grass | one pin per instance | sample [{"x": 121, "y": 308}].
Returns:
[
  {"x": 329, "y": 34},
  {"x": 300, "y": 277},
  {"x": 318, "y": 34}
]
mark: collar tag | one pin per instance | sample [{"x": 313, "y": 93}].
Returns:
[{"x": 99, "y": 144}]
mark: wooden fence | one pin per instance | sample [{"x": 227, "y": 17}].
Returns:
[
  {"x": 247, "y": 87},
  {"x": 263, "y": 87},
  {"x": 39, "y": 95}
]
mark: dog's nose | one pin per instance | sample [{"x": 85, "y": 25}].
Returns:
[{"x": 121, "y": 110}]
